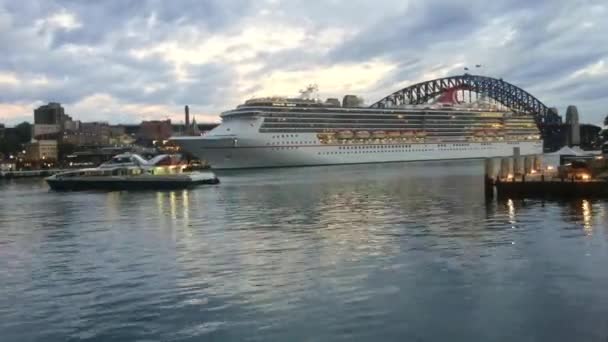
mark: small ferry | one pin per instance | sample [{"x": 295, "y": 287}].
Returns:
[{"x": 129, "y": 171}]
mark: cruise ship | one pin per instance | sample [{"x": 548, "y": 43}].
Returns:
[{"x": 306, "y": 131}]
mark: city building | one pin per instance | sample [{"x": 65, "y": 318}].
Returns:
[
  {"x": 50, "y": 114},
  {"x": 7, "y": 165},
  {"x": 41, "y": 150},
  {"x": 88, "y": 133},
  {"x": 155, "y": 130},
  {"x": 71, "y": 125},
  {"x": 120, "y": 137},
  {"x": 95, "y": 133},
  {"x": 49, "y": 121},
  {"x": 46, "y": 131},
  {"x": 2, "y": 131}
]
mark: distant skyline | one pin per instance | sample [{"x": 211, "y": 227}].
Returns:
[{"x": 125, "y": 61}]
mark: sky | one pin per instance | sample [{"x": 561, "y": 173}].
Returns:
[{"x": 125, "y": 61}]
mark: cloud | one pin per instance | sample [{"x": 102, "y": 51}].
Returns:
[{"x": 128, "y": 60}]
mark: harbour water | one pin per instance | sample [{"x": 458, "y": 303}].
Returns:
[{"x": 390, "y": 252}]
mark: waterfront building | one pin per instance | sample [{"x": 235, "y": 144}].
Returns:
[
  {"x": 95, "y": 133},
  {"x": 120, "y": 137},
  {"x": 7, "y": 165},
  {"x": 41, "y": 150},
  {"x": 88, "y": 133},
  {"x": 155, "y": 130}
]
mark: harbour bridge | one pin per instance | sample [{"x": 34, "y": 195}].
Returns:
[{"x": 496, "y": 90}]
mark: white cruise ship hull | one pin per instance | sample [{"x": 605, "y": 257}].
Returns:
[{"x": 230, "y": 153}]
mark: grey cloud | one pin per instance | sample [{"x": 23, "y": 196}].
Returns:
[{"x": 548, "y": 46}]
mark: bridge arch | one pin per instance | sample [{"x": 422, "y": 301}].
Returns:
[{"x": 496, "y": 89}]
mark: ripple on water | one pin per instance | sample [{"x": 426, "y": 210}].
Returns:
[{"x": 347, "y": 253}]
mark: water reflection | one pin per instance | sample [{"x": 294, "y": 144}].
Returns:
[
  {"x": 342, "y": 253},
  {"x": 578, "y": 214},
  {"x": 511, "y": 207}
]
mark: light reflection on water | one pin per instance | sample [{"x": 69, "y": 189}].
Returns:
[{"x": 388, "y": 252}]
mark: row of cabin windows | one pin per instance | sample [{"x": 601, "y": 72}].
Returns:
[
  {"x": 308, "y": 142},
  {"x": 398, "y": 150},
  {"x": 281, "y": 148},
  {"x": 429, "y": 131},
  {"x": 391, "y": 121},
  {"x": 385, "y": 148},
  {"x": 360, "y": 147},
  {"x": 363, "y": 115},
  {"x": 283, "y": 136}
]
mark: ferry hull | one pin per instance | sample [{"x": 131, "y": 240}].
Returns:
[{"x": 121, "y": 184}]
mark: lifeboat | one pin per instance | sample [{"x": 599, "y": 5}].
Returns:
[
  {"x": 379, "y": 134},
  {"x": 362, "y": 134},
  {"x": 325, "y": 135},
  {"x": 490, "y": 133},
  {"x": 407, "y": 134},
  {"x": 345, "y": 135},
  {"x": 420, "y": 134},
  {"x": 480, "y": 134},
  {"x": 394, "y": 134}
]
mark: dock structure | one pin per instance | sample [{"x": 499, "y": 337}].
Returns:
[
  {"x": 29, "y": 173},
  {"x": 514, "y": 177}
]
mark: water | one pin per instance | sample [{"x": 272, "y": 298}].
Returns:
[{"x": 393, "y": 252}]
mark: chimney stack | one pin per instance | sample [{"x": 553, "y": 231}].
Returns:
[{"x": 187, "y": 110}]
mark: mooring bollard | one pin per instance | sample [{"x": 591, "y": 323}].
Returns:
[{"x": 489, "y": 174}]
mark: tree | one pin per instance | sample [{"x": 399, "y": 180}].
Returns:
[
  {"x": 15, "y": 137},
  {"x": 24, "y": 132}
]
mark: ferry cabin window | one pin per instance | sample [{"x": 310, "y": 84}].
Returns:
[{"x": 121, "y": 160}]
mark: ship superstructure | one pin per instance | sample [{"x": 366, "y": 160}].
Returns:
[{"x": 278, "y": 132}]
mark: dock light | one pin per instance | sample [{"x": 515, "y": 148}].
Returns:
[
  {"x": 585, "y": 177},
  {"x": 550, "y": 168},
  {"x": 509, "y": 176},
  {"x": 533, "y": 172},
  {"x": 599, "y": 157}
]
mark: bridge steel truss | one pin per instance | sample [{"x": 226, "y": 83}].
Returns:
[{"x": 496, "y": 89}]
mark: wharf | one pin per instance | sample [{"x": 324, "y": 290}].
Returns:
[
  {"x": 29, "y": 173},
  {"x": 579, "y": 177},
  {"x": 551, "y": 188}
]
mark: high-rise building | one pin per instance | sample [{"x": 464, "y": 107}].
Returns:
[
  {"x": 49, "y": 121},
  {"x": 50, "y": 114},
  {"x": 572, "y": 119}
]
